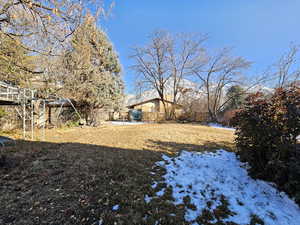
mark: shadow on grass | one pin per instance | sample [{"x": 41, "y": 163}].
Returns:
[{"x": 73, "y": 183}]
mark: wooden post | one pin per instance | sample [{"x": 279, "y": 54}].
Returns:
[
  {"x": 24, "y": 115},
  {"x": 49, "y": 115},
  {"x": 32, "y": 116},
  {"x": 44, "y": 120}
]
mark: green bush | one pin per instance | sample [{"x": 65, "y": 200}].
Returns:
[
  {"x": 2, "y": 113},
  {"x": 267, "y": 130},
  {"x": 72, "y": 123}
]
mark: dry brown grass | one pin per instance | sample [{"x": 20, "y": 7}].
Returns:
[
  {"x": 78, "y": 174},
  {"x": 156, "y": 137}
]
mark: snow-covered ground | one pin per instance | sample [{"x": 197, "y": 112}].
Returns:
[
  {"x": 217, "y": 125},
  {"x": 115, "y": 207},
  {"x": 124, "y": 123},
  {"x": 206, "y": 177}
]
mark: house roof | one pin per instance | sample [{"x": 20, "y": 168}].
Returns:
[
  {"x": 150, "y": 94},
  {"x": 151, "y": 100}
]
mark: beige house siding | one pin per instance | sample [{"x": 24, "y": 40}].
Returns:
[
  {"x": 153, "y": 109},
  {"x": 156, "y": 105},
  {"x": 152, "y": 106},
  {"x": 178, "y": 109}
]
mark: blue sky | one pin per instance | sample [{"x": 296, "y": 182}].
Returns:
[{"x": 259, "y": 30}]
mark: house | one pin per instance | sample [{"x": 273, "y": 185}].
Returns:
[{"x": 154, "y": 109}]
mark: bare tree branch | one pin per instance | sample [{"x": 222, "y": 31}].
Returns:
[{"x": 220, "y": 71}]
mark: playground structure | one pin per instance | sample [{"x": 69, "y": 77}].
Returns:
[{"x": 30, "y": 108}]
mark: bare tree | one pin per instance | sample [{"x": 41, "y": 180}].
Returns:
[
  {"x": 185, "y": 54},
  {"x": 221, "y": 70},
  {"x": 151, "y": 64},
  {"x": 165, "y": 62},
  {"x": 41, "y": 22},
  {"x": 41, "y": 30},
  {"x": 287, "y": 71}
]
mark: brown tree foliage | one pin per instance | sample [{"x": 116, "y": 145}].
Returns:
[
  {"x": 267, "y": 131},
  {"x": 91, "y": 72}
]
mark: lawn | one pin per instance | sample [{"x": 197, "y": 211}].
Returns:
[
  {"x": 82, "y": 175},
  {"x": 137, "y": 174},
  {"x": 154, "y": 137}
]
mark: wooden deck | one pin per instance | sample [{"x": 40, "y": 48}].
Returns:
[{"x": 11, "y": 95}]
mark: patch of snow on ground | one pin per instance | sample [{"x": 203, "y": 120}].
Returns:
[
  {"x": 154, "y": 185},
  {"x": 205, "y": 177},
  {"x": 161, "y": 192},
  {"x": 124, "y": 123},
  {"x": 147, "y": 199},
  {"x": 115, "y": 207},
  {"x": 217, "y": 125}
]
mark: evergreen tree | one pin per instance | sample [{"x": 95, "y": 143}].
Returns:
[
  {"x": 236, "y": 97},
  {"x": 93, "y": 71},
  {"x": 15, "y": 64}
]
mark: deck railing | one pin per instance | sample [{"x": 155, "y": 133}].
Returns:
[{"x": 13, "y": 94}]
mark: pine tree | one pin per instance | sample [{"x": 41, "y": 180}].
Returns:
[
  {"x": 15, "y": 63},
  {"x": 236, "y": 96},
  {"x": 93, "y": 71}
]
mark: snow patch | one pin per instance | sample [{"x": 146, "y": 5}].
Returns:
[
  {"x": 154, "y": 185},
  {"x": 147, "y": 198},
  {"x": 217, "y": 125},
  {"x": 161, "y": 192},
  {"x": 206, "y": 177},
  {"x": 115, "y": 207}
]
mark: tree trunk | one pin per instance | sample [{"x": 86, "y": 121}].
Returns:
[
  {"x": 172, "y": 113},
  {"x": 212, "y": 115},
  {"x": 167, "y": 116}
]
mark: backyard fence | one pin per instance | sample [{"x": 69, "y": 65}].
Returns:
[
  {"x": 153, "y": 116},
  {"x": 200, "y": 116}
]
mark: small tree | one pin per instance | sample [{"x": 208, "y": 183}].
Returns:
[{"x": 93, "y": 71}]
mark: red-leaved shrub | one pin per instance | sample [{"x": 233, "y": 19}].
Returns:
[
  {"x": 266, "y": 129},
  {"x": 228, "y": 117}
]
